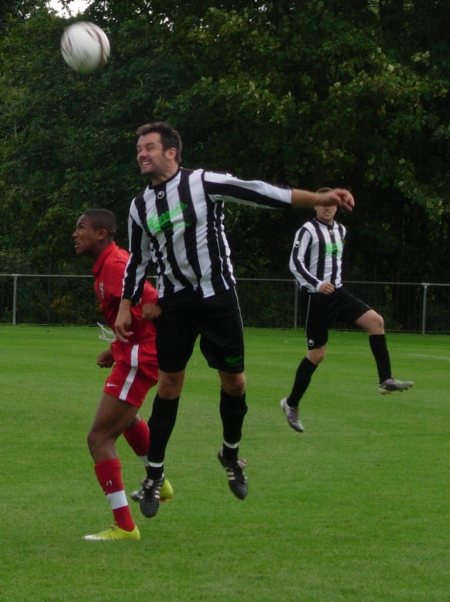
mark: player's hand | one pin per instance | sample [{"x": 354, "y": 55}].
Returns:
[
  {"x": 123, "y": 322},
  {"x": 105, "y": 359},
  {"x": 340, "y": 197},
  {"x": 326, "y": 288},
  {"x": 150, "y": 311}
]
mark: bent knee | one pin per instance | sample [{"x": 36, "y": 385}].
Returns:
[
  {"x": 94, "y": 441},
  {"x": 316, "y": 356},
  {"x": 99, "y": 441},
  {"x": 233, "y": 384},
  {"x": 372, "y": 321},
  {"x": 170, "y": 384},
  {"x": 379, "y": 322}
]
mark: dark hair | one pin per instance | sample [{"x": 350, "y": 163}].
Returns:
[
  {"x": 102, "y": 218},
  {"x": 170, "y": 138}
]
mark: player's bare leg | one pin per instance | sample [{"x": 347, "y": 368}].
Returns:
[{"x": 112, "y": 418}]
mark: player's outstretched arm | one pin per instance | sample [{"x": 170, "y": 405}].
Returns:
[{"x": 337, "y": 196}]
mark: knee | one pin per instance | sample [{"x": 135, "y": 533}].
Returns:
[
  {"x": 170, "y": 384},
  {"x": 316, "y": 356},
  {"x": 93, "y": 442},
  {"x": 100, "y": 443},
  {"x": 379, "y": 322},
  {"x": 233, "y": 384},
  {"x": 376, "y": 324}
]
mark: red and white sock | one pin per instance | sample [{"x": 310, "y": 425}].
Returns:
[
  {"x": 138, "y": 438},
  {"x": 109, "y": 475}
]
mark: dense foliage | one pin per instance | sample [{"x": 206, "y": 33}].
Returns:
[{"x": 310, "y": 93}]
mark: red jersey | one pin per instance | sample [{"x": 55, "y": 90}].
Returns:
[{"x": 108, "y": 271}]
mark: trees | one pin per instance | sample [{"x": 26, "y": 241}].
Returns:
[{"x": 307, "y": 93}]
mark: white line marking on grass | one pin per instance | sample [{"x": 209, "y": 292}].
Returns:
[{"x": 430, "y": 357}]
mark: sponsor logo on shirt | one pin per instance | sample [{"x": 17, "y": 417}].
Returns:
[
  {"x": 167, "y": 220},
  {"x": 333, "y": 248}
]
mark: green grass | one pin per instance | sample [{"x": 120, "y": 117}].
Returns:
[{"x": 357, "y": 508}]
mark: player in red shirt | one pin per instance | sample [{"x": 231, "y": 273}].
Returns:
[{"x": 134, "y": 369}]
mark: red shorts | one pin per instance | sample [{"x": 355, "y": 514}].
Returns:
[{"x": 134, "y": 372}]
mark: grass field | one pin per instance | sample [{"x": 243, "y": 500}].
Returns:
[{"x": 357, "y": 508}]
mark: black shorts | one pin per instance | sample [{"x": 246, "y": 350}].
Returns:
[
  {"x": 217, "y": 320},
  {"x": 321, "y": 310}
]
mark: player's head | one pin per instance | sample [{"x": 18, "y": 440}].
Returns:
[
  {"x": 158, "y": 150},
  {"x": 94, "y": 231},
  {"x": 169, "y": 137},
  {"x": 325, "y": 214}
]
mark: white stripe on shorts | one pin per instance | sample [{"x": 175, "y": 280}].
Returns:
[{"x": 132, "y": 373}]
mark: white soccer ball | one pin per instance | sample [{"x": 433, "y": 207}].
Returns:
[{"x": 85, "y": 46}]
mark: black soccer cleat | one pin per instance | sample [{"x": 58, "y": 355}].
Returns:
[
  {"x": 150, "y": 496},
  {"x": 237, "y": 480},
  {"x": 166, "y": 493}
]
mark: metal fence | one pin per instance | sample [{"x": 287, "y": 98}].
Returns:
[{"x": 265, "y": 302}]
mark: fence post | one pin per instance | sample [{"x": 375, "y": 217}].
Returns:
[
  {"x": 295, "y": 304},
  {"x": 424, "y": 305},
  {"x": 14, "y": 310}
]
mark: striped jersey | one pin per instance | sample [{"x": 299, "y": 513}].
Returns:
[
  {"x": 316, "y": 255},
  {"x": 179, "y": 225}
]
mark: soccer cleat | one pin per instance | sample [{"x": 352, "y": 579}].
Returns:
[
  {"x": 392, "y": 384},
  {"x": 166, "y": 492},
  {"x": 237, "y": 480},
  {"x": 136, "y": 495},
  {"x": 150, "y": 496},
  {"x": 291, "y": 416},
  {"x": 114, "y": 533}
]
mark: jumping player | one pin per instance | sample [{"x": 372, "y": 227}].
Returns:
[
  {"x": 316, "y": 263},
  {"x": 177, "y": 222}
]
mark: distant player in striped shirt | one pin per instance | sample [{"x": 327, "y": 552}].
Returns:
[
  {"x": 316, "y": 263},
  {"x": 177, "y": 222}
]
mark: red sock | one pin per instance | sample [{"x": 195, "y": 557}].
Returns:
[
  {"x": 138, "y": 437},
  {"x": 109, "y": 475}
]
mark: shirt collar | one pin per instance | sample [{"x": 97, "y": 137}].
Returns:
[{"x": 101, "y": 258}]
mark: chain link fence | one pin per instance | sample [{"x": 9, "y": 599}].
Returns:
[{"x": 265, "y": 303}]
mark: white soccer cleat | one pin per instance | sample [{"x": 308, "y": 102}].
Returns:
[
  {"x": 390, "y": 385},
  {"x": 291, "y": 416}
]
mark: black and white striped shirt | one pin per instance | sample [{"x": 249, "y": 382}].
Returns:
[
  {"x": 316, "y": 255},
  {"x": 179, "y": 225}
]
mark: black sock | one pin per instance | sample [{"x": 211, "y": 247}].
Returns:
[
  {"x": 232, "y": 411},
  {"x": 160, "y": 423},
  {"x": 380, "y": 352},
  {"x": 303, "y": 376}
]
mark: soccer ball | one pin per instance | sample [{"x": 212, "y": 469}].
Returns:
[{"x": 85, "y": 46}]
